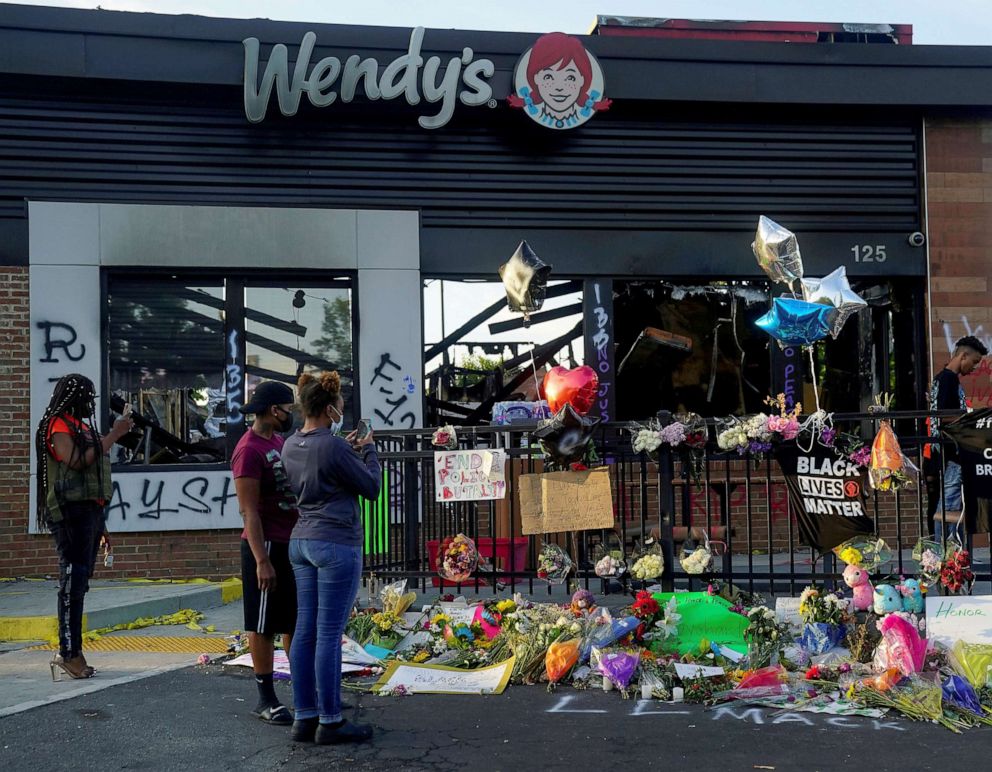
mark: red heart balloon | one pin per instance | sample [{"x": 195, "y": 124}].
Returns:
[{"x": 576, "y": 387}]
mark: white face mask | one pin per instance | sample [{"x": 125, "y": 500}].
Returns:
[{"x": 336, "y": 425}]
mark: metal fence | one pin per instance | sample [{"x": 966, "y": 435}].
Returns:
[{"x": 739, "y": 501}]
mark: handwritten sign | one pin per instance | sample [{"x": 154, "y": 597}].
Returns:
[
  {"x": 469, "y": 475},
  {"x": 787, "y": 610},
  {"x": 704, "y": 617},
  {"x": 565, "y": 501},
  {"x": 438, "y": 679},
  {"x": 964, "y": 618}
]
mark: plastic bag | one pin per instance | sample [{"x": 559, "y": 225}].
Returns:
[
  {"x": 602, "y": 631},
  {"x": 973, "y": 661},
  {"x": 867, "y": 552},
  {"x": 395, "y": 599},
  {"x": 648, "y": 561},
  {"x": 561, "y": 657},
  {"x": 929, "y": 556},
  {"x": 457, "y": 558},
  {"x": 609, "y": 564},
  {"x": 553, "y": 564},
  {"x": 766, "y": 676},
  {"x": 617, "y": 665},
  {"x": 653, "y": 686},
  {"x": 820, "y": 637},
  {"x": 696, "y": 560},
  {"x": 889, "y": 469},
  {"x": 901, "y": 646},
  {"x": 959, "y": 693}
]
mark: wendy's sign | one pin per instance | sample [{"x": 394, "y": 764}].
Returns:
[
  {"x": 462, "y": 79},
  {"x": 558, "y": 83}
]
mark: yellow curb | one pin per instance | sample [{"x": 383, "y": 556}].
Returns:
[
  {"x": 231, "y": 590},
  {"x": 30, "y": 628},
  {"x": 151, "y": 643}
]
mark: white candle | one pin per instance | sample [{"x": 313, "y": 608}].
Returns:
[
  {"x": 677, "y": 694},
  {"x": 607, "y": 685},
  {"x": 645, "y": 691}
]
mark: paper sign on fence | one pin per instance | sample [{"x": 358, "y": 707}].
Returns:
[
  {"x": 438, "y": 679},
  {"x": 565, "y": 501},
  {"x": 469, "y": 475},
  {"x": 960, "y": 617}
]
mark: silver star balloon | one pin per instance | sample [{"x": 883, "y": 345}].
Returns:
[
  {"x": 834, "y": 290},
  {"x": 777, "y": 251},
  {"x": 525, "y": 279}
]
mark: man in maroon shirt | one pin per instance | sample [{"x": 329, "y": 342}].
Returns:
[{"x": 269, "y": 510}]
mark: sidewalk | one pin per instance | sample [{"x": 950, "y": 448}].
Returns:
[{"x": 28, "y": 607}]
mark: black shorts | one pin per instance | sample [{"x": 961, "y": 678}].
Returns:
[{"x": 273, "y": 611}]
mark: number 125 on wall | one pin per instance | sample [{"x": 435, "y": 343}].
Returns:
[{"x": 868, "y": 253}]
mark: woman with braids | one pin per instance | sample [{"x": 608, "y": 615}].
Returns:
[
  {"x": 327, "y": 474},
  {"x": 73, "y": 489}
]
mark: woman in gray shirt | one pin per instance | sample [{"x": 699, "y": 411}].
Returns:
[{"x": 327, "y": 474}]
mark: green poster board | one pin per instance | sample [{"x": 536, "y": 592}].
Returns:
[
  {"x": 375, "y": 519},
  {"x": 704, "y": 617}
]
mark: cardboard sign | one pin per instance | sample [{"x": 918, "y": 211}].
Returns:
[
  {"x": 438, "y": 679},
  {"x": 469, "y": 475},
  {"x": 960, "y": 617},
  {"x": 565, "y": 501}
]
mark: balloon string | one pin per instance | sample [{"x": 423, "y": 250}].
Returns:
[
  {"x": 533, "y": 367},
  {"x": 812, "y": 369}
]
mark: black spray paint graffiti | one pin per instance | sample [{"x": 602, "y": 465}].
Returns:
[
  {"x": 193, "y": 498},
  {"x": 389, "y": 389},
  {"x": 53, "y": 343},
  {"x": 234, "y": 381}
]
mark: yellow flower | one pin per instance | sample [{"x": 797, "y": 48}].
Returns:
[
  {"x": 441, "y": 620},
  {"x": 421, "y": 656},
  {"x": 851, "y": 555}
]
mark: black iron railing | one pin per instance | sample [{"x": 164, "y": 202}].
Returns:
[{"x": 740, "y": 502}]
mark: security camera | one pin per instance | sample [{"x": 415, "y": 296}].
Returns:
[{"x": 916, "y": 239}]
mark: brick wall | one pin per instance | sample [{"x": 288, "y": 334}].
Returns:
[
  {"x": 177, "y": 554},
  {"x": 959, "y": 204}
]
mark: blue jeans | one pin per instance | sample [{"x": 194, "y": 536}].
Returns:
[
  {"x": 950, "y": 501},
  {"x": 327, "y": 579}
]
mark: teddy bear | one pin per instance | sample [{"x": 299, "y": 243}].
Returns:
[
  {"x": 857, "y": 579},
  {"x": 886, "y": 599},
  {"x": 912, "y": 596}
]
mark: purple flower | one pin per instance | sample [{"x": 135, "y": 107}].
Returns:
[{"x": 828, "y": 435}]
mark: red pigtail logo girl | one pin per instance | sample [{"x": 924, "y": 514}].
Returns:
[{"x": 558, "y": 82}]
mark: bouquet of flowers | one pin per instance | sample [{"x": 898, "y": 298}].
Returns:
[
  {"x": 956, "y": 575},
  {"x": 751, "y": 435},
  {"x": 395, "y": 599},
  {"x": 529, "y": 632},
  {"x": 445, "y": 437},
  {"x": 867, "y": 552},
  {"x": 649, "y": 561},
  {"x": 901, "y": 647},
  {"x": 553, "y": 564},
  {"x": 928, "y": 555},
  {"x": 889, "y": 469},
  {"x": 824, "y": 618},
  {"x": 667, "y": 626},
  {"x": 616, "y": 665},
  {"x": 697, "y": 559},
  {"x": 458, "y": 558},
  {"x": 602, "y": 630},
  {"x": 786, "y": 422},
  {"x": 561, "y": 657},
  {"x": 694, "y": 445},
  {"x": 646, "y": 438},
  {"x": 608, "y": 564},
  {"x": 765, "y": 636},
  {"x": 386, "y": 631}
]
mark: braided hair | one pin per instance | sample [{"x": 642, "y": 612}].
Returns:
[{"x": 74, "y": 395}]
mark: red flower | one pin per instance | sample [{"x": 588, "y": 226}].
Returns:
[
  {"x": 813, "y": 673},
  {"x": 645, "y": 606},
  {"x": 578, "y": 466}
]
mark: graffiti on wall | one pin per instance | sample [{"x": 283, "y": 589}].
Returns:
[
  {"x": 396, "y": 388},
  {"x": 978, "y": 384}
]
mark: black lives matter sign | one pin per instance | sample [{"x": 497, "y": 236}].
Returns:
[{"x": 827, "y": 496}]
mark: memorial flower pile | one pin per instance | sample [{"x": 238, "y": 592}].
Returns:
[{"x": 956, "y": 574}]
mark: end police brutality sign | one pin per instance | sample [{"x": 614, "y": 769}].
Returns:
[{"x": 827, "y": 495}]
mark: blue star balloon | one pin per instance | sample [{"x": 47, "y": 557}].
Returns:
[{"x": 794, "y": 322}]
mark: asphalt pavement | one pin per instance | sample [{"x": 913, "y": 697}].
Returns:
[{"x": 198, "y": 718}]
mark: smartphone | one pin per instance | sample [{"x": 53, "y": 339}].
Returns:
[{"x": 364, "y": 429}]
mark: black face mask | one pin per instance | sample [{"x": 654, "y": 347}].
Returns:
[{"x": 285, "y": 422}]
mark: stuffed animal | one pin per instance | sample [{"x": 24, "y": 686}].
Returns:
[
  {"x": 887, "y": 599},
  {"x": 857, "y": 579},
  {"x": 912, "y": 596}
]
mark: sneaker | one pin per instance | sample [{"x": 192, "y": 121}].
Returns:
[
  {"x": 304, "y": 729},
  {"x": 276, "y": 714},
  {"x": 345, "y": 732}
]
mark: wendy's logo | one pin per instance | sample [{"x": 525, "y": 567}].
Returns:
[{"x": 558, "y": 83}]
